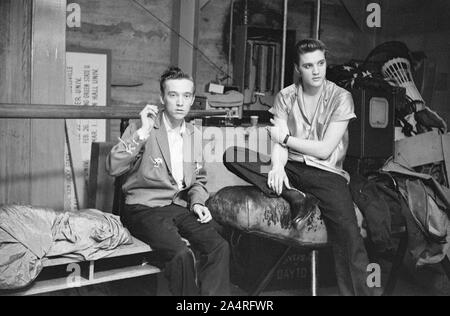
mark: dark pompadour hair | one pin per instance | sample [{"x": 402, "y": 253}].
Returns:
[
  {"x": 173, "y": 72},
  {"x": 309, "y": 45}
]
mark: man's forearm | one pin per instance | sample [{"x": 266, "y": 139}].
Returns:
[
  {"x": 279, "y": 155},
  {"x": 318, "y": 149}
]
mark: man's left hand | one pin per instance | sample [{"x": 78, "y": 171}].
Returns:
[{"x": 203, "y": 213}]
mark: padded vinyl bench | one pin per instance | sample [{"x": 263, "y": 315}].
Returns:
[
  {"x": 91, "y": 272},
  {"x": 247, "y": 209}
]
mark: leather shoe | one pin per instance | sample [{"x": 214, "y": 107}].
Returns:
[
  {"x": 301, "y": 219},
  {"x": 305, "y": 212}
]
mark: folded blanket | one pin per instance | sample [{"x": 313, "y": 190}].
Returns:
[
  {"x": 87, "y": 235},
  {"x": 28, "y": 234}
]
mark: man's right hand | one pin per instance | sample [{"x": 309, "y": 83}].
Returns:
[
  {"x": 148, "y": 117},
  {"x": 276, "y": 178}
]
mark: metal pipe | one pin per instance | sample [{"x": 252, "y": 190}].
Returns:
[
  {"x": 47, "y": 111},
  {"x": 230, "y": 44},
  {"x": 314, "y": 272},
  {"x": 283, "y": 50},
  {"x": 318, "y": 8}
]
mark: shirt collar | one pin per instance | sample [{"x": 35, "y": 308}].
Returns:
[
  {"x": 300, "y": 87},
  {"x": 169, "y": 128}
]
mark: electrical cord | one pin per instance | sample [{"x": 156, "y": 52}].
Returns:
[{"x": 183, "y": 38}]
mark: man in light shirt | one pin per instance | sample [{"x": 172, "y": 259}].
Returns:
[
  {"x": 310, "y": 143},
  {"x": 166, "y": 194}
]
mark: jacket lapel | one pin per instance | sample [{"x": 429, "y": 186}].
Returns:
[{"x": 163, "y": 142}]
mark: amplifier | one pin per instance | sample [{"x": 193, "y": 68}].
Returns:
[{"x": 371, "y": 135}]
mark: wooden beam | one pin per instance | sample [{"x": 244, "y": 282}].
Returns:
[
  {"x": 48, "y": 86},
  {"x": 15, "y": 73},
  {"x": 185, "y": 22}
]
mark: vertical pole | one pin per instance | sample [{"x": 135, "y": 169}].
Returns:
[
  {"x": 230, "y": 44},
  {"x": 283, "y": 52},
  {"x": 48, "y": 77},
  {"x": 91, "y": 270},
  {"x": 185, "y": 21},
  {"x": 318, "y": 8},
  {"x": 314, "y": 272}
]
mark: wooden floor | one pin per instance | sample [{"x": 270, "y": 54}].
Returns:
[
  {"x": 146, "y": 286},
  {"x": 423, "y": 282}
]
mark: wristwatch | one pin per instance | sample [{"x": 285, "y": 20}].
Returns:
[{"x": 285, "y": 140}]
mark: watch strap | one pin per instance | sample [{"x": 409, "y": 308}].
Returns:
[{"x": 286, "y": 139}]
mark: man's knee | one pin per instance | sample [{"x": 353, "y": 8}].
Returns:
[
  {"x": 180, "y": 253},
  {"x": 221, "y": 252},
  {"x": 216, "y": 243},
  {"x": 346, "y": 226},
  {"x": 223, "y": 247}
]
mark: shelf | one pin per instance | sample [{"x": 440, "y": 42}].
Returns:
[
  {"x": 136, "y": 247},
  {"x": 52, "y": 285},
  {"x": 89, "y": 275}
]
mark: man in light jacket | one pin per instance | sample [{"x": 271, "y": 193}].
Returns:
[{"x": 165, "y": 191}]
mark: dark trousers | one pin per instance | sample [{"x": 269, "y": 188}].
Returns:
[
  {"x": 335, "y": 203},
  {"x": 162, "y": 228}
]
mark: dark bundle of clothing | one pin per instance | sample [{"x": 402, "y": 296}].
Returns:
[
  {"x": 381, "y": 207},
  {"x": 412, "y": 115},
  {"x": 354, "y": 75},
  {"x": 397, "y": 197}
]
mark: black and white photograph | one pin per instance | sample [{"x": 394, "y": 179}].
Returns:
[{"x": 227, "y": 155}]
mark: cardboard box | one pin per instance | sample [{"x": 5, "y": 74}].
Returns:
[
  {"x": 421, "y": 149},
  {"x": 215, "y": 88},
  {"x": 424, "y": 149}
]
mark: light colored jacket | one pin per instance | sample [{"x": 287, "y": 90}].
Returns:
[{"x": 147, "y": 164}]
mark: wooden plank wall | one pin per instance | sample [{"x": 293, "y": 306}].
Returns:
[
  {"x": 32, "y": 63},
  {"x": 15, "y": 87},
  {"x": 139, "y": 43},
  {"x": 48, "y": 87}
]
